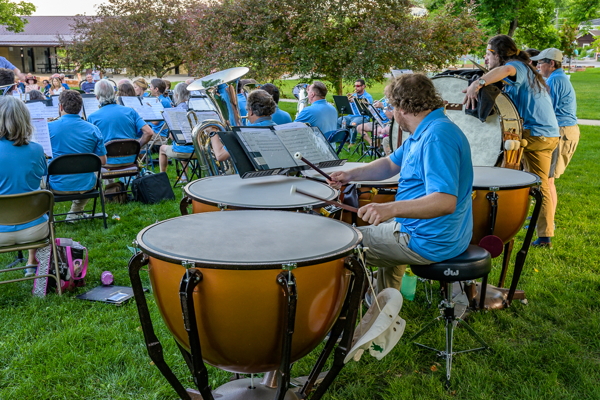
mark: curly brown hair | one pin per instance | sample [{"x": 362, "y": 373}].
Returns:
[{"x": 413, "y": 93}]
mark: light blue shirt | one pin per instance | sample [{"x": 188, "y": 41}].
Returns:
[
  {"x": 166, "y": 102},
  {"x": 535, "y": 107},
  {"x": 563, "y": 98},
  {"x": 72, "y": 135},
  {"x": 242, "y": 100},
  {"x": 281, "y": 117},
  {"x": 4, "y": 63},
  {"x": 320, "y": 114},
  {"x": 262, "y": 121},
  {"x": 188, "y": 148},
  {"x": 437, "y": 159},
  {"x": 365, "y": 95},
  {"x": 21, "y": 170}
]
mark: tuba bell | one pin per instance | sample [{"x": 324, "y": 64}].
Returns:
[
  {"x": 221, "y": 89},
  {"x": 300, "y": 91}
]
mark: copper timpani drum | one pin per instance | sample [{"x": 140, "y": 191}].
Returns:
[
  {"x": 500, "y": 201},
  {"x": 369, "y": 191},
  {"x": 486, "y": 138},
  {"x": 266, "y": 193}
]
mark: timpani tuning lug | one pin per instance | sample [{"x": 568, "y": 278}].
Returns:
[
  {"x": 289, "y": 266},
  {"x": 187, "y": 264}
]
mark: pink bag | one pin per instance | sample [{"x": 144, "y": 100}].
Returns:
[{"x": 72, "y": 264}]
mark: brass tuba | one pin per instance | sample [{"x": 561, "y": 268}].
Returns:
[
  {"x": 221, "y": 89},
  {"x": 300, "y": 91}
]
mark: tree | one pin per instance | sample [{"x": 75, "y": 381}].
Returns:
[
  {"x": 334, "y": 40},
  {"x": 144, "y": 36},
  {"x": 10, "y": 14}
]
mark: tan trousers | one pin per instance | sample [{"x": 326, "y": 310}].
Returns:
[{"x": 538, "y": 157}]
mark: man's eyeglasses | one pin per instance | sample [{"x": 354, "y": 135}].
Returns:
[
  {"x": 544, "y": 61},
  {"x": 358, "y": 85}
]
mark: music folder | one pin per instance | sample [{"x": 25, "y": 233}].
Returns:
[{"x": 269, "y": 150}]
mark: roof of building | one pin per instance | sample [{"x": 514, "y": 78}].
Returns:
[{"x": 39, "y": 31}]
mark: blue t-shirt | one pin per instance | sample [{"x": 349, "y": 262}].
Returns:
[
  {"x": 281, "y": 117},
  {"x": 21, "y": 170},
  {"x": 4, "y": 63},
  {"x": 87, "y": 86},
  {"x": 535, "y": 107},
  {"x": 72, "y": 135},
  {"x": 365, "y": 95},
  {"x": 320, "y": 114},
  {"x": 188, "y": 148},
  {"x": 262, "y": 121},
  {"x": 437, "y": 159},
  {"x": 563, "y": 98},
  {"x": 242, "y": 101},
  {"x": 117, "y": 122}
]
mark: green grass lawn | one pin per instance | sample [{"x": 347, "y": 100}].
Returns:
[
  {"x": 587, "y": 88},
  {"x": 65, "y": 348}
]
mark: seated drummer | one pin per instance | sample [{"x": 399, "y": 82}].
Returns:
[
  {"x": 431, "y": 219},
  {"x": 260, "y": 108}
]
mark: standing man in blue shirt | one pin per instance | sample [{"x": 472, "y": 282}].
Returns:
[
  {"x": 528, "y": 90},
  {"x": 280, "y": 116},
  {"x": 549, "y": 63},
  {"x": 431, "y": 219},
  {"x": 72, "y": 135},
  {"x": 320, "y": 113},
  {"x": 4, "y": 63}
]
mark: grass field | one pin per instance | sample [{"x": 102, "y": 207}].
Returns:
[
  {"x": 587, "y": 88},
  {"x": 65, "y": 348}
]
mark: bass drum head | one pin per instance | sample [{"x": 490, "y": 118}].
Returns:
[
  {"x": 397, "y": 137},
  {"x": 485, "y": 138}
]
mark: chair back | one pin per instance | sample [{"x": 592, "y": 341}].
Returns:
[
  {"x": 122, "y": 148},
  {"x": 69, "y": 164},
  {"x": 16, "y": 209},
  {"x": 340, "y": 137}
]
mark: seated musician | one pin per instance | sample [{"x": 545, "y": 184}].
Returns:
[
  {"x": 431, "y": 219},
  {"x": 116, "y": 121},
  {"x": 181, "y": 96},
  {"x": 72, "y": 135},
  {"x": 356, "y": 119},
  {"x": 279, "y": 116},
  {"x": 320, "y": 113},
  {"x": 364, "y": 130},
  {"x": 88, "y": 85},
  {"x": 158, "y": 87},
  {"x": 259, "y": 107}
]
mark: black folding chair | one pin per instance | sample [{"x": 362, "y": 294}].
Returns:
[
  {"x": 340, "y": 137},
  {"x": 70, "y": 164}
]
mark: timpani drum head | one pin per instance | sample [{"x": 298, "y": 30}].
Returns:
[
  {"x": 487, "y": 178},
  {"x": 270, "y": 192},
  {"x": 393, "y": 181},
  {"x": 257, "y": 239},
  {"x": 486, "y": 138}
]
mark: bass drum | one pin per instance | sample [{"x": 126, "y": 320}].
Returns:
[
  {"x": 487, "y": 138},
  {"x": 397, "y": 137}
]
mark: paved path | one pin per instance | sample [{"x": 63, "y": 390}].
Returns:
[{"x": 588, "y": 122}]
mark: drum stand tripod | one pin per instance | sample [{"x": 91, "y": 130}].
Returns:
[
  {"x": 500, "y": 297},
  {"x": 244, "y": 389}
]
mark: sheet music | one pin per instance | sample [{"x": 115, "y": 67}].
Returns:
[
  {"x": 311, "y": 144},
  {"x": 41, "y": 135},
  {"x": 267, "y": 151},
  {"x": 176, "y": 120},
  {"x": 201, "y": 104},
  {"x": 90, "y": 105},
  {"x": 40, "y": 110},
  {"x": 151, "y": 109}
]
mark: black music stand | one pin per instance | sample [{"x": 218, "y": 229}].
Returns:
[{"x": 372, "y": 150}]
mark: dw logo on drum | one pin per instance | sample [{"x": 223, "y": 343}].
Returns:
[{"x": 449, "y": 272}]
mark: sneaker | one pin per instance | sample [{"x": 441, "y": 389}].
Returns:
[
  {"x": 30, "y": 271},
  {"x": 542, "y": 243},
  {"x": 72, "y": 218}
]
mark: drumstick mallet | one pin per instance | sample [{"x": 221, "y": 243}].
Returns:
[
  {"x": 346, "y": 207},
  {"x": 298, "y": 156}
]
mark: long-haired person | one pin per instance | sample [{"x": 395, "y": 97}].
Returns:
[
  {"x": 528, "y": 90},
  {"x": 22, "y": 166}
]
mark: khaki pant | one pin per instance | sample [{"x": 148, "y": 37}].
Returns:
[
  {"x": 389, "y": 252},
  {"x": 569, "y": 139},
  {"x": 538, "y": 157}
]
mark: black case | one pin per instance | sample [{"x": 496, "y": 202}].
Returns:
[{"x": 151, "y": 189}]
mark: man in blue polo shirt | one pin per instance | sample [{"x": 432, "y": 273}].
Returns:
[
  {"x": 279, "y": 116},
  {"x": 320, "y": 113},
  {"x": 431, "y": 219},
  {"x": 4, "y": 63},
  {"x": 72, "y": 135},
  {"x": 88, "y": 85},
  {"x": 565, "y": 107},
  {"x": 116, "y": 121}
]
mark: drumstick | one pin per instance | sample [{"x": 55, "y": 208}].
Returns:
[
  {"x": 298, "y": 156},
  {"x": 335, "y": 203}
]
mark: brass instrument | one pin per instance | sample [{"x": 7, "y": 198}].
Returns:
[
  {"x": 221, "y": 89},
  {"x": 300, "y": 92}
]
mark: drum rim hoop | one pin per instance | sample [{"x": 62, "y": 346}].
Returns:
[
  {"x": 347, "y": 250},
  {"x": 237, "y": 206}
]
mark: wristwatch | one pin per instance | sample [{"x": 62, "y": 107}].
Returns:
[
  {"x": 210, "y": 135},
  {"x": 482, "y": 83}
]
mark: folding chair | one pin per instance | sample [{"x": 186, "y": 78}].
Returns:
[
  {"x": 17, "y": 209},
  {"x": 70, "y": 164},
  {"x": 124, "y": 153},
  {"x": 193, "y": 169},
  {"x": 340, "y": 137}
]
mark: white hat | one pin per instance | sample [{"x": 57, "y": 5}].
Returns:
[
  {"x": 550, "y": 54},
  {"x": 379, "y": 331}
]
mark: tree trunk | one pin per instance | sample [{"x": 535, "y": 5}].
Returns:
[
  {"x": 338, "y": 84},
  {"x": 514, "y": 24}
]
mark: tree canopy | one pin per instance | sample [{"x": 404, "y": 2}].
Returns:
[{"x": 10, "y": 14}]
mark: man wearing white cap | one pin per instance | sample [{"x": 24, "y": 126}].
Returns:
[{"x": 565, "y": 108}]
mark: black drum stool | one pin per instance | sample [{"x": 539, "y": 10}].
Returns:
[{"x": 474, "y": 263}]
